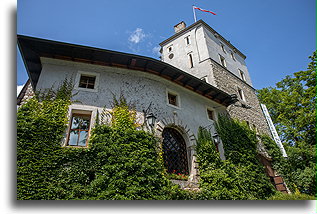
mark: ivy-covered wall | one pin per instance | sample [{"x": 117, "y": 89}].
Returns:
[
  {"x": 123, "y": 163},
  {"x": 240, "y": 176}
]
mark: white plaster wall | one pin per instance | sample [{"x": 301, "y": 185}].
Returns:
[
  {"x": 139, "y": 88},
  {"x": 204, "y": 45},
  {"x": 214, "y": 49}
]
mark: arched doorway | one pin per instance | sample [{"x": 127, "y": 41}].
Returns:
[{"x": 174, "y": 152}]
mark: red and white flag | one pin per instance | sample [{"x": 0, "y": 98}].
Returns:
[{"x": 197, "y": 8}]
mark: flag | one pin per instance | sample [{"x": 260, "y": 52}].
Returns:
[{"x": 197, "y": 8}]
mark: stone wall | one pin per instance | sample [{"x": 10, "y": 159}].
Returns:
[
  {"x": 248, "y": 110},
  {"x": 26, "y": 93}
]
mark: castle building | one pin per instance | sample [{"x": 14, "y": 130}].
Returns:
[{"x": 200, "y": 75}]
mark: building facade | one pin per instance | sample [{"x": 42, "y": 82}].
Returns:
[
  {"x": 204, "y": 53},
  {"x": 200, "y": 76}
]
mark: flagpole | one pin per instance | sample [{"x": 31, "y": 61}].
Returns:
[{"x": 194, "y": 13}]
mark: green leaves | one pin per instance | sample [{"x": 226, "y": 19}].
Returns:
[
  {"x": 121, "y": 163},
  {"x": 292, "y": 106},
  {"x": 240, "y": 176}
]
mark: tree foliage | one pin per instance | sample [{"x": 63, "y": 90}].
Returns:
[{"x": 292, "y": 107}]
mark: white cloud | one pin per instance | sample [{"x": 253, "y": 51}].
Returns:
[
  {"x": 137, "y": 36},
  {"x": 156, "y": 50},
  {"x": 19, "y": 88}
]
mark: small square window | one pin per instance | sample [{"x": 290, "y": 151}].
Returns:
[
  {"x": 172, "y": 99},
  {"x": 211, "y": 114},
  {"x": 79, "y": 130},
  {"x": 170, "y": 48},
  {"x": 87, "y": 81}
]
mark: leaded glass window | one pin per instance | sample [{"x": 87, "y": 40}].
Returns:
[{"x": 174, "y": 152}]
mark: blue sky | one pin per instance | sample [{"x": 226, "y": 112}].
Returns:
[{"x": 277, "y": 36}]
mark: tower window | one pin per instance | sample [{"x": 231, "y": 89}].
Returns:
[
  {"x": 187, "y": 40},
  {"x": 223, "y": 47},
  {"x": 232, "y": 56},
  {"x": 222, "y": 61},
  {"x": 190, "y": 58},
  {"x": 170, "y": 48},
  {"x": 242, "y": 75},
  {"x": 241, "y": 94}
]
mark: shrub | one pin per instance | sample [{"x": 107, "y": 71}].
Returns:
[{"x": 241, "y": 176}]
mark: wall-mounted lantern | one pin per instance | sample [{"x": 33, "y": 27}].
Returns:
[
  {"x": 216, "y": 139},
  {"x": 151, "y": 119}
]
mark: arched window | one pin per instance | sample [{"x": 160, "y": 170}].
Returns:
[{"x": 174, "y": 152}]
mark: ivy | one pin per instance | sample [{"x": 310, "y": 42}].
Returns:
[
  {"x": 241, "y": 176},
  {"x": 40, "y": 126},
  {"x": 121, "y": 162}
]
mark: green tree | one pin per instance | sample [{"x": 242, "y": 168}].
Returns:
[{"x": 292, "y": 107}]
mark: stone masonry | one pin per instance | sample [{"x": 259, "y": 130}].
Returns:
[{"x": 248, "y": 110}]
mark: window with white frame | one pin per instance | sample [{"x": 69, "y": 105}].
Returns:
[
  {"x": 173, "y": 99},
  {"x": 79, "y": 129},
  {"x": 87, "y": 81},
  {"x": 211, "y": 114}
]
